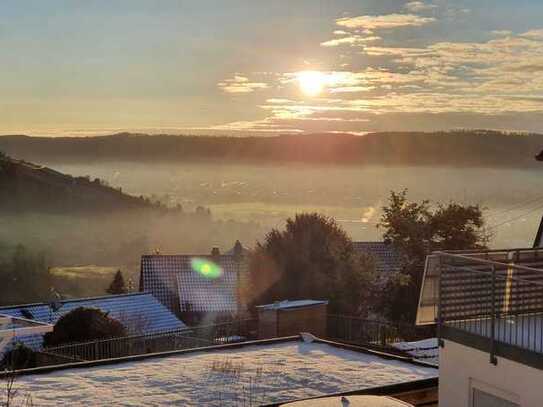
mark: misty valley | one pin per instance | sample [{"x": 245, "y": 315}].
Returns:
[{"x": 353, "y": 195}]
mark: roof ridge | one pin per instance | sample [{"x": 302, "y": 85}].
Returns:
[{"x": 71, "y": 300}]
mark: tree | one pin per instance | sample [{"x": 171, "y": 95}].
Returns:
[
  {"x": 117, "y": 286},
  {"x": 83, "y": 324},
  {"x": 312, "y": 258},
  {"x": 417, "y": 230},
  {"x": 27, "y": 275}
]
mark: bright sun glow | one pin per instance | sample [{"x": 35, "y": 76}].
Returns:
[{"x": 311, "y": 82}]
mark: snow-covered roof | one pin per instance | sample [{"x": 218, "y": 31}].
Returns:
[
  {"x": 259, "y": 372},
  {"x": 426, "y": 350},
  {"x": 12, "y": 328},
  {"x": 174, "y": 282},
  {"x": 387, "y": 257},
  {"x": 140, "y": 313},
  {"x": 280, "y": 305},
  {"x": 201, "y": 294}
]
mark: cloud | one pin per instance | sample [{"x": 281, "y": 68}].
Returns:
[
  {"x": 534, "y": 34},
  {"x": 501, "y": 33},
  {"x": 240, "y": 84},
  {"x": 419, "y": 6},
  {"x": 384, "y": 21},
  {"x": 425, "y": 85},
  {"x": 352, "y": 40}
]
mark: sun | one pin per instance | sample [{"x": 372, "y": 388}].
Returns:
[{"x": 311, "y": 82}]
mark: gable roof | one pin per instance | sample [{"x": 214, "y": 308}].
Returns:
[
  {"x": 174, "y": 282},
  {"x": 387, "y": 257},
  {"x": 140, "y": 313},
  {"x": 197, "y": 293}
]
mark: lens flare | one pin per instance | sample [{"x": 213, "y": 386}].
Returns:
[{"x": 206, "y": 268}]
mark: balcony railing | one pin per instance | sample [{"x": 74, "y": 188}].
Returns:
[
  {"x": 491, "y": 300},
  {"x": 352, "y": 330}
]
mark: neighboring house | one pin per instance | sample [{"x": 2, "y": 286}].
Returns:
[
  {"x": 197, "y": 287},
  {"x": 12, "y": 328},
  {"x": 488, "y": 307},
  {"x": 387, "y": 258},
  {"x": 425, "y": 350},
  {"x": 140, "y": 313}
]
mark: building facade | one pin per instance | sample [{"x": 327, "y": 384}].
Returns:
[{"x": 488, "y": 307}]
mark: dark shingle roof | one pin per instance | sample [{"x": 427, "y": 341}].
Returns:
[
  {"x": 387, "y": 257},
  {"x": 140, "y": 313},
  {"x": 172, "y": 280}
]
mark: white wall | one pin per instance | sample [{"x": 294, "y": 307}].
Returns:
[{"x": 461, "y": 367}]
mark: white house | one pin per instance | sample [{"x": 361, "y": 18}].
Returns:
[{"x": 488, "y": 307}]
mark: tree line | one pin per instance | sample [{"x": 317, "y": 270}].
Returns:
[{"x": 457, "y": 147}]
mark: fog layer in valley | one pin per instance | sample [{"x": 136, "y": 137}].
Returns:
[{"x": 267, "y": 194}]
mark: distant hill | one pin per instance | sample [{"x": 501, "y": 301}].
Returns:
[
  {"x": 457, "y": 148},
  {"x": 30, "y": 187}
]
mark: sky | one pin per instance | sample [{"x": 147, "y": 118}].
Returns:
[{"x": 79, "y": 67}]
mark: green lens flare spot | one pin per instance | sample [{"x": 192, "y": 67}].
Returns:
[{"x": 206, "y": 268}]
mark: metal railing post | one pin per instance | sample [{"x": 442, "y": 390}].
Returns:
[
  {"x": 439, "y": 302},
  {"x": 493, "y": 358}
]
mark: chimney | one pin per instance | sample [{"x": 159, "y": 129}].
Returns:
[{"x": 238, "y": 250}]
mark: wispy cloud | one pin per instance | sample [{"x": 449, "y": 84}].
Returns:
[
  {"x": 419, "y": 6},
  {"x": 351, "y": 40},
  {"x": 240, "y": 84},
  {"x": 386, "y": 21}
]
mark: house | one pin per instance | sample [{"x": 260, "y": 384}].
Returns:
[
  {"x": 387, "y": 258},
  {"x": 12, "y": 328},
  {"x": 197, "y": 287},
  {"x": 488, "y": 307},
  {"x": 140, "y": 313},
  {"x": 264, "y": 372}
]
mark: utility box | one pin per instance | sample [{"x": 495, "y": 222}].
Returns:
[{"x": 288, "y": 318}]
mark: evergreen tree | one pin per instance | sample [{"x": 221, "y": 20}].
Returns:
[
  {"x": 84, "y": 324},
  {"x": 117, "y": 286},
  {"x": 312, "y": 258}
]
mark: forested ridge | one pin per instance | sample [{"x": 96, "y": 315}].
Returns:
[{"x": 456, "y": 148}]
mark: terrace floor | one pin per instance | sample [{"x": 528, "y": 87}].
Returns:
[
  {"x": 524, "y": 331},
  {"x": 247, "y": 375}
]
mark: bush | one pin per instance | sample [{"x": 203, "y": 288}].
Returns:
[
  {"x": 84, "y": 324},
  {"x": 19, "y": 357}
]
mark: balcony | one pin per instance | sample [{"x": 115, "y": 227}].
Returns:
[{"x": 491, "y": 300}]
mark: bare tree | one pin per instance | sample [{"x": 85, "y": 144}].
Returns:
[{"x": 10, "y": 395}]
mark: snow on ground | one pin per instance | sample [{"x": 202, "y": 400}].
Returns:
[
  {"x": 251, "y": 375},
  {"x": 425, "y": 350}
]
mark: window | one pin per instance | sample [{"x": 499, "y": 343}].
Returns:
[{"x": 483, "y": 399}]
